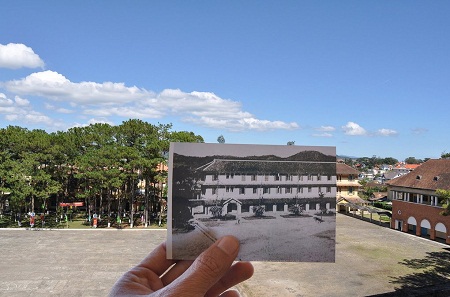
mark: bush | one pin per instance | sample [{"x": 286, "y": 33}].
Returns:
[
  {"x": 296, "y": 209},
  {"x": 383, "y": 205},
  {"x": 216, "y": 211},
  {"x": 228, "y": 217},
  {"x": 258, "y": 210}
]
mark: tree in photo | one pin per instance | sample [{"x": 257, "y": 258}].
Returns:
[
  {"x": 296, "y": 209},
  {"x": 221, "y": 139},
  {"x": 216, "y": 211},
  {"x": 258, "y": 210}
]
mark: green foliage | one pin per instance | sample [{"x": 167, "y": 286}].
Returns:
[
  {"x": 412, "y": 160},
  {"x": 444, "y": 198},
  {"x": 97, "y": 163},
  {"x": 445, "y": 155},
  {"x": 383, "y": 205},
  {"x": 184, "y": 136},
  {"x": 367, "y": 189},
  {"x": 370, "y": 163},
  {"x": 389, "y": 161}
]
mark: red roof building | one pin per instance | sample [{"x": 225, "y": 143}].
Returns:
[{"x": 415, "y": 207}]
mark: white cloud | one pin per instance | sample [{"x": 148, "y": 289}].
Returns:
[
  {"x": 11, "y": 117},
  {"x": 324, "y": 134},
  {"x": 17, "y": 55},
  {"x": 52, "y": 85},
  {"x": 21, "y": 102},
  {"x": 20, "y": 109},
  {"x": 58, "y": 109},
  {"x": 4, "y": 101},
  {"x": 354, "y": 129},
  {"x": 115, "y": 99},
  {"x": 94, "y": 121},
  {"x": 64, "y": 110},
  {"x": 419, "y": 130},
  {"x": 242, "y": 124},
  {"x": 387, "y": 132},
  {"x": 126, "y": 112},
  {"x": 37, "y": 117},
  {"x": 326, "y": 128}
]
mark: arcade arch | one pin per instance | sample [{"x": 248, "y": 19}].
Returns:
[
  {"x": 441, "y": 231},
  {"x": 412, "y": 225},
  {"x": 425, "y": 228}
]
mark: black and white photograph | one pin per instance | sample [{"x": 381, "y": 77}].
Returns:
[{"x": 278, "y": 200}]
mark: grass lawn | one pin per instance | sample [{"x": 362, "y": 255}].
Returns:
[
  {"x": 78, "y": 222},
  {"x": 376, "y": 217}
]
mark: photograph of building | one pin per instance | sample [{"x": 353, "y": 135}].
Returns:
[
  {"x": 264, "y": 195},
  {"x": 241, "y": 184}
]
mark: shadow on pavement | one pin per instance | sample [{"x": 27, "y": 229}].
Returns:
[{"x": 432, "y": 279}]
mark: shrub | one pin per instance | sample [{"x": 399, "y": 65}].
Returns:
[
  {"x": 296, "y": 209},
  {"x": 229, "y": 217},
  {"x": 383, "y": 205},
  {"x": 258, "y": 210},
  {"x": 216, "y": 211}
]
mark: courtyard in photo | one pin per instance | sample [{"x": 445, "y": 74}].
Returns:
[{"x": 274, "y": 237}]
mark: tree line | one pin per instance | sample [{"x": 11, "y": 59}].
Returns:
[
  {"x": 371, "y": 162},
  {"x": 109, "y": 168}
]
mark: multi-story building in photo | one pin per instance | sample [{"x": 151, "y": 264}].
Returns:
[
  {"x": 415, "y": 207},
  {"x": 237, "y": 185}
]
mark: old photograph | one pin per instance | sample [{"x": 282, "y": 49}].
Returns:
[{"x": 278, "y": 200}]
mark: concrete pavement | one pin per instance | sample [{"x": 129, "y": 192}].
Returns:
[{"x": 88, "y": 262}]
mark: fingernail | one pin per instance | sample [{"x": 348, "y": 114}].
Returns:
[{"x": 228, "y": 244}]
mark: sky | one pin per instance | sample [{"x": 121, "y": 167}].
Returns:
[{"x": 368, "y": 77}]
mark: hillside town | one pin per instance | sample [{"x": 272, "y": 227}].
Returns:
[{"x": 412, "y": 198}]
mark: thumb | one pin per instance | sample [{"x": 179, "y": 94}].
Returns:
[{"x": 209, "y": 267}]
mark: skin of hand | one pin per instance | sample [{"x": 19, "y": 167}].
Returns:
[{"x": 212, "y": 273}]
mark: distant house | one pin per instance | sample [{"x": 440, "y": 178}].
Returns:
[
  {"x": 406, "y": 167},
  {"x": 373, "y": 184},
  {"x": 378, "y": 197},
  {"x": 385, "y": 167},
  {"x": 367, "y": 175},
  {"x": 415, "y": 206},
  {"x": 399, "y": 170},
  {"x": 347, "y": 187},
  {"x": 391, "y": 174}
]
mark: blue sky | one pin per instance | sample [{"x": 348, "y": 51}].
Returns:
[{"x": 369, "y": 77}]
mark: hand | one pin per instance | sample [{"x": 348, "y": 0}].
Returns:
[{"x": 211, "y": 274}]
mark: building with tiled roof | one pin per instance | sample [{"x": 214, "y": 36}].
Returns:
[
  {"x": 408, "y": 167},
  {"x": 415, "y": 207},
  {"x": 347, "y": 187},
  {"x": 378, "y": 196}
]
